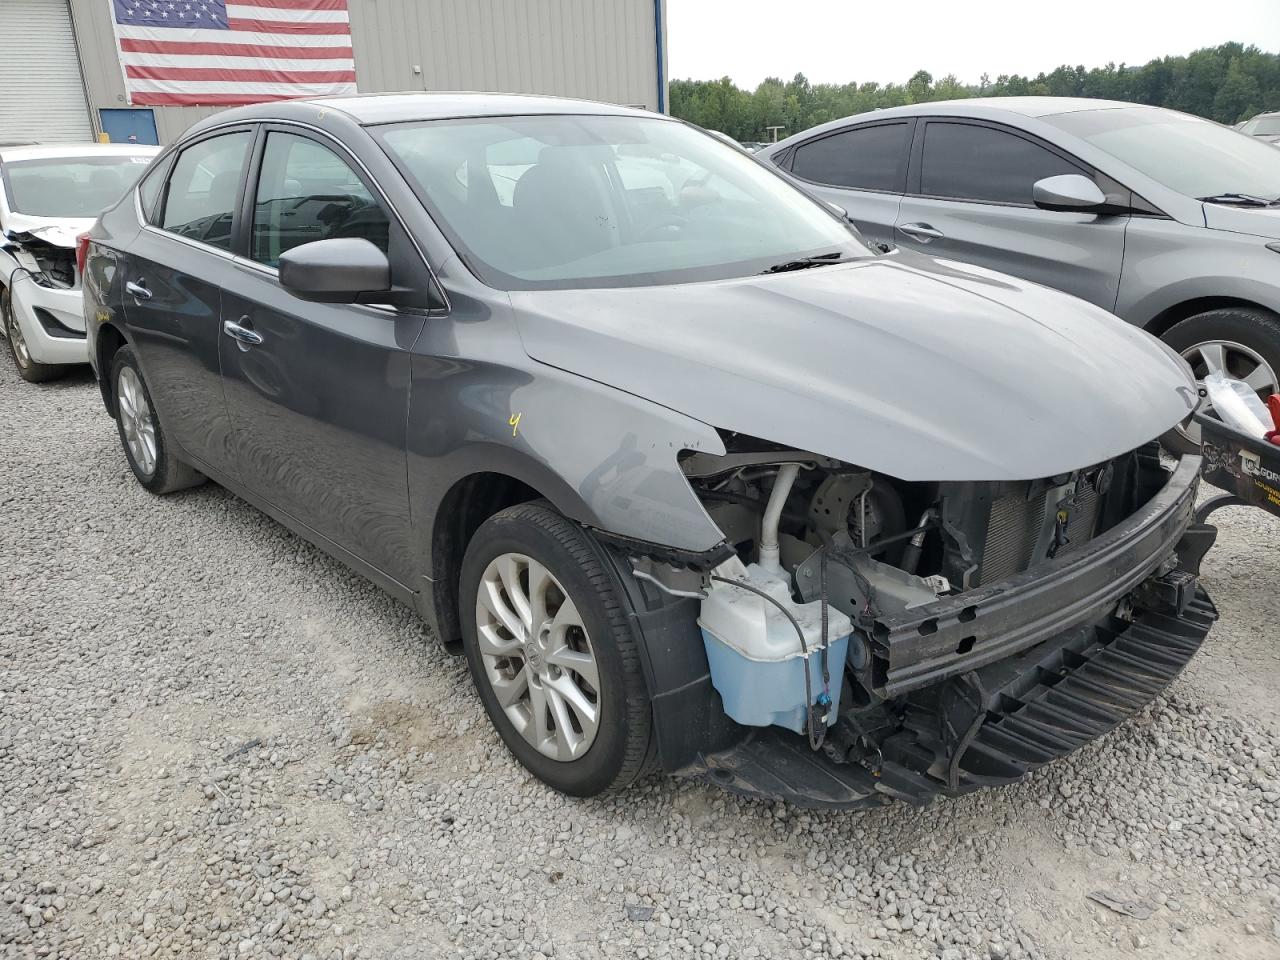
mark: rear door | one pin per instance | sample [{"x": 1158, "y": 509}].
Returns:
[
  {"x": 174, "y": 271},
  {"x": 969, "y": 198},
  {"x": 319, "y": 393},
  {"x": 863, "y": 168}
]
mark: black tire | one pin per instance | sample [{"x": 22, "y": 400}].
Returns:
[
  {"x": 169, "y": 473},
  {"x": 1256, "y": 329},
  {"x": 29, "y": 370},
  {"x": 623, "y": 749}
]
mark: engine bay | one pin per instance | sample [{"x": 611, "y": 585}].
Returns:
[{"x": 844, "y": 553}]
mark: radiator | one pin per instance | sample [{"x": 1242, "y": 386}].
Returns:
[
  {"x": 1014, "y": 526},
  {"x": 1012, "y": 531}
]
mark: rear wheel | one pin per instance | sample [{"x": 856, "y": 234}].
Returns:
[
  {"x": 1239, "y": 342},
  {"x": 152, "y": 461},
  {"x": 28, "y": 369},
  {"x": 552, "y": 654}
]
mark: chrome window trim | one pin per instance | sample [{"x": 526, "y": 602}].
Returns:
[
  {"x": 196, "y": 244},
  {"x": 253, "y": 266}
]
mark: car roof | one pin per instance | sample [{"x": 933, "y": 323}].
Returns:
[
  {"x": 997, "y": 109},
  {"x": 1023, "y": 106},
  {"x": 377, "y": 108},
  {"x": 50, "y": 151}
]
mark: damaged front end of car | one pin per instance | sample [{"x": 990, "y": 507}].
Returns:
[
  {"x": 48, "y": 255},
  {"x": 43, "y": 310},
  {"x": 859, "y": 638}
]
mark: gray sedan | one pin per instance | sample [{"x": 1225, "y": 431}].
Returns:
[
  {"x": 692, "y": 474},
  {"x": 1167, "y": 220}
]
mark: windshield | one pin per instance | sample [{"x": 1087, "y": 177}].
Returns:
[
  {"x": 1195, "y": 157},
  {"x": 72, "y": 187},
  {"x": 577, "y": 201}
]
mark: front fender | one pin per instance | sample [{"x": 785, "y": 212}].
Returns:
[
  {"x": 602, "y": 457},
  {"x": 1167, "y": 264}
]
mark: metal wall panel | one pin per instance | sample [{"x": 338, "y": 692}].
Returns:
[
  {"x": 595, "y": 49},
  {"x": 573, "y": 48},
  {"x": 42, "y": 95}
]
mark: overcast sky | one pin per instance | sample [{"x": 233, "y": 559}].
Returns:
[{"x": 835, "y": 41}]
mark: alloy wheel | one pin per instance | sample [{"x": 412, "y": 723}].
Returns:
[
  {"x": 16, "y": 340},
  {"x": 1231, "y": 359},
  {"x": 136, "y": 420},
  {"x": 537, "y": 656}
]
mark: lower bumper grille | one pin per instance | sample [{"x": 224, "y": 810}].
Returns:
[{"x": 988, "y": 728}]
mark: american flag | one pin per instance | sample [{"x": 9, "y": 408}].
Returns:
[{"x": 226, "y": 52}]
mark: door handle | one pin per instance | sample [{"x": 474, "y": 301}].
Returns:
[
  {"x": 921, "y": 231},
  {"x": 236, "y": 331},
  {"x": 137, "y": 290}
]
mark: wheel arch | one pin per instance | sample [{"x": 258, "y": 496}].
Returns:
[
  {"x": 468, "y": 503},
  {"x": 1166, "y": 319},
  {"x": 108, "y": 341}
]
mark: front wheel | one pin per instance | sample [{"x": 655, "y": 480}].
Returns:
[
  {"x": 1239, "y": 342},
  {"x": 29, "y": 370},
  {"x": 552, "y": 654}
]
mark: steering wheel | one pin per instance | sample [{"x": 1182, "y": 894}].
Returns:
[{"x": 329, "y": 197}]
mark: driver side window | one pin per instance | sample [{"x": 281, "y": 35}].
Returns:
[{"x": 307, "y": 192}]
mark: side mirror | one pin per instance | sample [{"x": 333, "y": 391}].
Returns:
[
  {"x": 339, "y": 270},
  {"x": 1070, "y": 192},
  {"x": 838, "y": 210}
]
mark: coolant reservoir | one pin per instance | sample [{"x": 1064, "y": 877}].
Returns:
[{"x": 757, "y": 663}]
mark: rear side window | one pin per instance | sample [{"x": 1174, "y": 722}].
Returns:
[
  {"x": 307, "y": 192},
  {"x": 202, "y": 189},
  {"x": 963, "y": 161},
  {"x": 865, "y": 158}
]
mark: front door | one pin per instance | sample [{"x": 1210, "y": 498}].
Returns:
[
  {"x": 174, "y": 273},
  {"x": 970, "y": 199},
  {"x": 319, "y": 393}
]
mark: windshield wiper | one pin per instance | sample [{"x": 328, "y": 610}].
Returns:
[
  {"x": 803, "y": 263},
  {"x": 1238, "y": 199}
]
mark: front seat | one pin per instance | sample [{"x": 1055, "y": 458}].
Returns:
[{"x": 565, "y": 205}]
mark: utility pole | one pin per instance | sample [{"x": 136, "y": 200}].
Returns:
[{"x": 774, "y": 131}]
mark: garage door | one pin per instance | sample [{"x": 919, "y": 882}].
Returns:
[{"x": 41, "y": 91}]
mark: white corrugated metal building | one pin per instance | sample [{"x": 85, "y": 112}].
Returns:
[{"x": 60, "y": 77}]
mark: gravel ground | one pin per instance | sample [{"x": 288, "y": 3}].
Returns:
[{"x": 217, "y": 742}]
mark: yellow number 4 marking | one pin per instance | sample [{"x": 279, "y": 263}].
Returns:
[{"x": 514, "y": 422}]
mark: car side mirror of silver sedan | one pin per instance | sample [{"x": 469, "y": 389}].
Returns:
[
  {"x": 1072, "y": 192},
  {"x": 337, "y": 270}
]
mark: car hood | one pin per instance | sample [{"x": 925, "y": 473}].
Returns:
[
  {"x": 58, "y": 231},
  {"x": 919, "y": 368},
  {"x": 1256, "y": 221}
]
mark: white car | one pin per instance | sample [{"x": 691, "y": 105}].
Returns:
[{"x": 48, "y": 196}]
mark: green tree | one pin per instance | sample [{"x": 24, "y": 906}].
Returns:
[{"x": 1224, "y": 83}]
